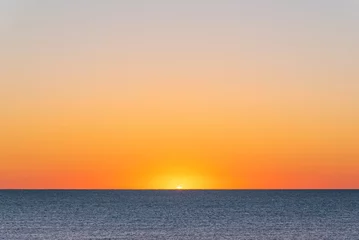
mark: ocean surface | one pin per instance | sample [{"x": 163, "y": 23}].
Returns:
[{"x": 180, "y": 214}]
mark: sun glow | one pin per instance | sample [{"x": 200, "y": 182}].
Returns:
[{"x": 179, "y": 187}]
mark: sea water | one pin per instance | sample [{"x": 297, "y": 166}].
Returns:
[{"x": 179, "y": 214}]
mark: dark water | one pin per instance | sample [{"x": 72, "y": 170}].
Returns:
[{"x": 179, "y": 215}]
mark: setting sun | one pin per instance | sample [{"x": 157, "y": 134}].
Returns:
[{"x": 179, "y": 187}]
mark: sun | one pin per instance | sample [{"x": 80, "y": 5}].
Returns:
[{"x": 179, "y": 187}]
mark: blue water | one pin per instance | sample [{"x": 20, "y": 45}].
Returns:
[{"x": 179, "y": 215}]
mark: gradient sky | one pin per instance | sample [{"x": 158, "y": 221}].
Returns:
[{"x": 203, "y": 94}]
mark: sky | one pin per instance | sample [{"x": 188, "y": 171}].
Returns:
[{"x": 139, "y": 94}]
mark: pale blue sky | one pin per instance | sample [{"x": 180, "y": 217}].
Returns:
[{"x": 71, "y": 38}]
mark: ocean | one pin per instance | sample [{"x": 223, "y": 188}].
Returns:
[{"x": 179, "y": 214}]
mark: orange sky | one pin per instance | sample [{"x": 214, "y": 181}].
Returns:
[{"x": 217, "y": 95}]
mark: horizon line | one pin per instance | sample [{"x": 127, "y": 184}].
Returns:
[{"x": 178, "y": 190}]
